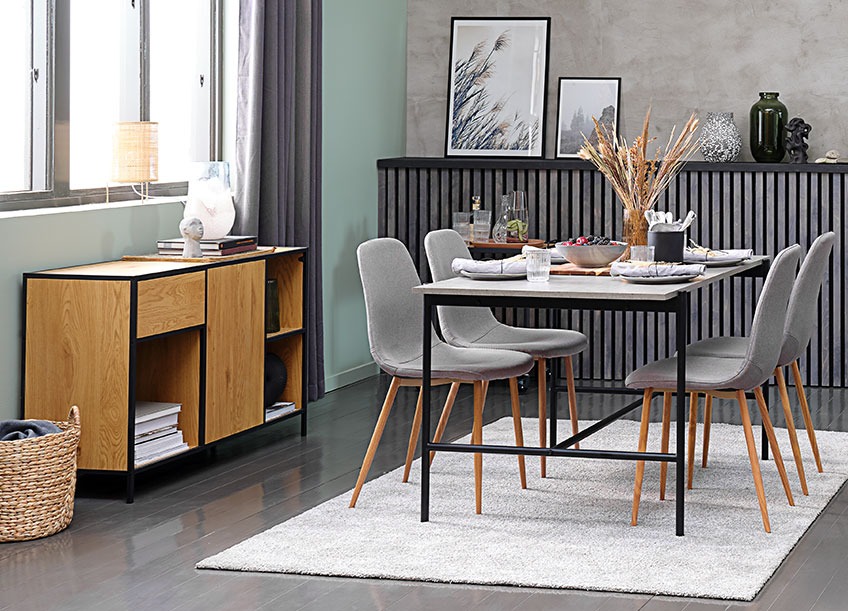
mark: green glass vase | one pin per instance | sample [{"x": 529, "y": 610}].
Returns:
[{"x": 768, "y": 118}]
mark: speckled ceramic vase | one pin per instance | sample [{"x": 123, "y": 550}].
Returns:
[{"x": 720, "y": 139}]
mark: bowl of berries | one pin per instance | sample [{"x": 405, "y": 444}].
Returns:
[{"x": 591, "y": 250}]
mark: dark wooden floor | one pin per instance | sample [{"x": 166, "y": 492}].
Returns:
[{"x": 142, "y": 556}]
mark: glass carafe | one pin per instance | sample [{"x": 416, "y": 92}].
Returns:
[{"x": 499, "y": 229}]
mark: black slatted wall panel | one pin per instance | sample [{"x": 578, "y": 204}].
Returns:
[{"x": 741, "y": 205}]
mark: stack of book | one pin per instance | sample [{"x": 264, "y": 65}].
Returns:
[
  {"x": 156, "y": 432},
  {"x": 219, "y": 247},
  {"x": 278, "y": 409}
]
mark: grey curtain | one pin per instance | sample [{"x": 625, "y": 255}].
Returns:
[{"x": 278, "y": 143}]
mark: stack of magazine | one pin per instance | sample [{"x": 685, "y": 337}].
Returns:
[
  {"x": 278, "y": 409},
  {"x": 156, "y": 432},
  {"x": 218, "y": 247}
]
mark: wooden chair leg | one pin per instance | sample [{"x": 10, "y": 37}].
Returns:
[
  {"x": 477, "y": 438},
  {"x": 778, "y": 458},
  {"x": 752, "y": 456},
  {"x": 690, "y": 450},
  {"x": 805, "y": 411},
  {"x": 375, "y": 438},
  {"x": 413, "y": 436},
  {"x": 666, "y": 425},
  {"x": 708, "y": 417},
  {"x": 572, "y": 398},
  {"x": 790, "y": 427},
  {"x": 519, "y": 431},
  {"x": 643, "y": 445},
  {"x": 443, "y": 419},
  {"x": 542, "y": 378}
]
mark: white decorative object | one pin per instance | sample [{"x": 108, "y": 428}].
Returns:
[
  {"x": 210, "y": 199},
  {"x": 191, "y": 230},
  {"x": 720, "y": 139}
]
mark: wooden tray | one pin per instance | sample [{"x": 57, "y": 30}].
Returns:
[
  {"x": 508, "y": 245},
  {"x": 260, "y": 250},
  {"x": 569, "y": 269}
]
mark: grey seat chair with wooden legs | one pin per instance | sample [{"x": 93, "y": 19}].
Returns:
[
  {"x": 394, "y": 315},
  {"x": 730, "y": 377},
  {"x": 478, "y": 328},
  {"x": 800, "y": 324}
]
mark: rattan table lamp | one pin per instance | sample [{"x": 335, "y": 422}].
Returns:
[{"x": 135, "y": 154}]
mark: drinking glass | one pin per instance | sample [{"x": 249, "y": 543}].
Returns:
[
  {"x": 516, "y": 226},
  {"x": 538, "y": 265},
  {"x": 641, "y": 253},
  {"x": 482, "y": 223},
  {"x": 462, "y": 224}
]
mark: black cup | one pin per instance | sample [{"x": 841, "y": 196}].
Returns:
[{"x": 668, "y": 245}]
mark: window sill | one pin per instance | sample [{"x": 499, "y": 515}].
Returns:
[{"x": 91, "y": 207}]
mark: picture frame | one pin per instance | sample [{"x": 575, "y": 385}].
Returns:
[
  {"x": 497, "y": 85},
  {"x": 580, "y": 99}
]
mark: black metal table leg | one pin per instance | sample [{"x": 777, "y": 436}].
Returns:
[
  {"x": 425, "y": 410},
  {"x": 682, "y": 322}
]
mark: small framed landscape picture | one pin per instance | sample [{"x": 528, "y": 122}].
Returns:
[
  {"x": 581, "y": 99},
  {"x": 496, "y": 87}
]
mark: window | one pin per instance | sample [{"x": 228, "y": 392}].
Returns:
[{"x": 110, "y": 61}]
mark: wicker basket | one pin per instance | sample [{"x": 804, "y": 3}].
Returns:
[{"x": 37, "y": 481}]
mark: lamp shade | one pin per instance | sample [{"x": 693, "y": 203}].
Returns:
[{"x": 135, "y": 152}]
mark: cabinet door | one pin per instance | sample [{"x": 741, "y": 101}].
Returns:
[
  {"x": 235, "y": 348},
  {"x": 77, "y": 353}
]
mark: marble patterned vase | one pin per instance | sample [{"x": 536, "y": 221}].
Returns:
[{"x": 720, "y": 139}]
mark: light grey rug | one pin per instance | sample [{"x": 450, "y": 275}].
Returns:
[{"x": 570, "y": 530}]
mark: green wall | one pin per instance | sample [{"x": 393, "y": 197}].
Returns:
[
  {"x": 364, "y": 120},
  {"x": 57, "y": 238}
]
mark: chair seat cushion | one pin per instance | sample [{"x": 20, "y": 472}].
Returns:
[
  {"x": 725, "y": 347},
  {"x": 702, "y": 373},
  {"x": 468, "y": 364},
  {"x": 538, "y": 343}
]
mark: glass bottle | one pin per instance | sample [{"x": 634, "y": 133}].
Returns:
[
  {"x": 272, "y": 306},
  {"x": 499, "y": 228},
  {"x": 768, "y": 118}
]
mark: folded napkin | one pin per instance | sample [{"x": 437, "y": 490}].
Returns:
[
  {"x": 504, "y": 266},
  {"x": 12, "y": 430},
  {"x": 694, "y": 255},
  {"x": 640, "y": 269},
  {"x": 556, "y": 257}
]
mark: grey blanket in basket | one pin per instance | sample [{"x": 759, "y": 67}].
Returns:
[{"x": 11, "y": 430}]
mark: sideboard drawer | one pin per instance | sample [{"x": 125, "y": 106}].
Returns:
[{"x": 171, "y": 303}]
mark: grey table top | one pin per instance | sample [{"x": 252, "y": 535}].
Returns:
[{"x": 582, "y": 287}]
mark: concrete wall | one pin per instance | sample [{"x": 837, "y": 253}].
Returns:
[
  {"x": 61, "y": 237},
  {"x": 675, "y": 55},
  {"x": 364, "y": 93}
]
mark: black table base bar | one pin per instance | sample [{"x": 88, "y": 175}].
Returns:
[
  {"x": 600, "y": 424},
  {"x": 468, "y": 448}
]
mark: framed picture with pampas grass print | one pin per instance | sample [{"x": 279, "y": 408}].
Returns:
[
  {"x": 581, "y": 102},
  {"x": 497, "y": 84}
]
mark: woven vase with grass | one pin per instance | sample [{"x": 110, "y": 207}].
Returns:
[{"x": 638, "y": 180}]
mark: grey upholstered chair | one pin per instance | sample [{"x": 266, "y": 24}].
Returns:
[
  {"x": 800, "y": 323},
  {"x": 394, "y": 315},
  {"x": 730, "y": 377},
  {"x": 478, "y": 328}
]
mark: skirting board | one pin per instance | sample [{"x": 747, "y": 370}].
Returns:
[{"x": 350, "y": 376}]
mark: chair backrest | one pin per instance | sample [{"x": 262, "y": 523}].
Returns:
[
  {"x": 769, "y": 319},
  {"x": 460, "y": 326},
  {"x": 392, "y": 311},
  {"x": 802, "y": 313}
]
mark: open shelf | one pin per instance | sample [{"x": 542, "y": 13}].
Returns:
[
  {"x": 285, "y": 332},
  {"x": 290, "y": 350}
]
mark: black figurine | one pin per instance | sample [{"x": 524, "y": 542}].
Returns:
[{"x": 796, "y": 131}]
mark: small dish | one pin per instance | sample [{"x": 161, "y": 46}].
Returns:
[
  {"x": 483, "y": 276},
  {"x": 723, "y": 262},
  {"x": 658, "y": 279}
]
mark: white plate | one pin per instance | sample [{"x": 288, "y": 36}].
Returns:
[
  {"x": 482, "y": 276},
  {"x": 659, "y": 279},
  {"x": 724, "y": 262}
]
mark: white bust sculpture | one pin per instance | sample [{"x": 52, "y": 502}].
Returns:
[{"x": 191, "y": 230}]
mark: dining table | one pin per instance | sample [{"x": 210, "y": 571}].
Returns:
[{"x": 586, "y": 293}]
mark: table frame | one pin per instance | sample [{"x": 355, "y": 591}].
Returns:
[{"x": 679, "y": 304}]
